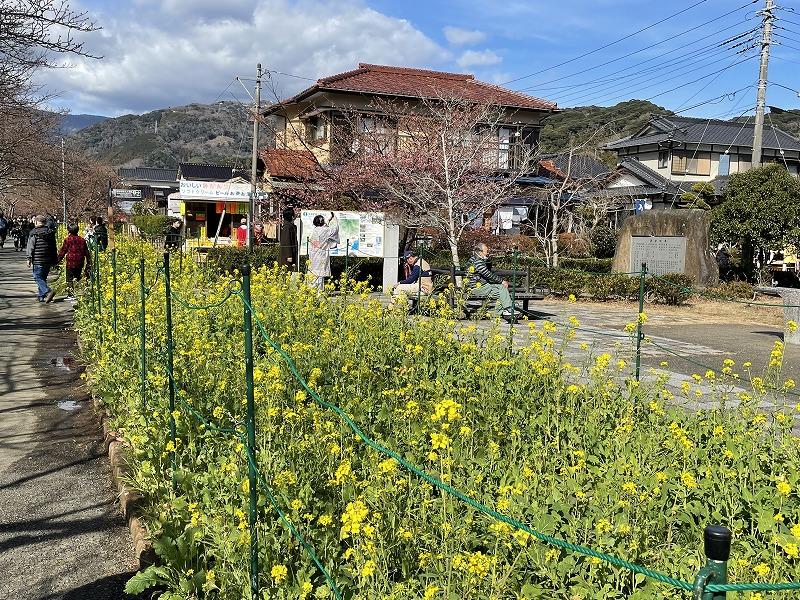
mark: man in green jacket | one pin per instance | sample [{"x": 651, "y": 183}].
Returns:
[{"x": 485, "y": 285}]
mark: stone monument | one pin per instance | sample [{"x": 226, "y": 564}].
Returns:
[{"x": 669, "y": 241}]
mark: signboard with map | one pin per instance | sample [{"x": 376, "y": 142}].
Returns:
[{"x": 365, "y": 232}]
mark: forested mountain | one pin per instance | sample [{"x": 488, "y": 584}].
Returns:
[
  {"x": 222, "y": 132},
  {"x": 213, "y": 133},
  {"x": 591, "y": 126},
  {"x": 71, "y": 123}
]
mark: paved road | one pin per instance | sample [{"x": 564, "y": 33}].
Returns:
[{"x": 61, "y": 533}]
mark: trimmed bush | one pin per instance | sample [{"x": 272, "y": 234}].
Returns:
[
  {"x": 227, "y": 258},
  {"x": 738, "y": 290},
  {"x": 672, "y": 288},
  {"x": 590, "y": 265},
  {"x": 604, "y": 242},
  {"x": 151, "y": 225}
]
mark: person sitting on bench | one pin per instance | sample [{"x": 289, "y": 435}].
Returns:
[
  {"x": 484, "y": 284},
  {"x": 419, "y": 280}
]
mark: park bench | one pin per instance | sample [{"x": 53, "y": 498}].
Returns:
[{"x": 446, "y": 282}]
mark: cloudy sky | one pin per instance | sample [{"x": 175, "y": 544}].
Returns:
[{"x": 159, "y": 53}]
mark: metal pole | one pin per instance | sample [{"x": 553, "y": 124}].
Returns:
[
  {"x": 170, "y": 371},
  {"x": 346, "y": 259},
  {"x": 761, "y": 97},
  {"x": 254, "y": 161},
  {"x": 99, "y": 286},
  {"x": 513, "y": 291},
  {"x": 114, "y": 288},
  {"x": 111, "y": 244},
  {"x": 251, "y": 432},
  {"x": 642, "y": 275},
  {"x": 142, "y": 347},
  {"x": 717, "y": 545},
  {"x": 63, "y": 182}
]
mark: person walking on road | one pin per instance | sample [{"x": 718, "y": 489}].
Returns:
[
  {"x": 76, "y": 251},
  {"x": 3, "y": 230},
  {"x": 41, "y": 253},
  {"x": 323, "y": 238}
]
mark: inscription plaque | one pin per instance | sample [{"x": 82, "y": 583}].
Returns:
[{"x": 662, "y": 254}]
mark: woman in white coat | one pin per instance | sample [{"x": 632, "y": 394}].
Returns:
[{"x": 323, "y": 238}]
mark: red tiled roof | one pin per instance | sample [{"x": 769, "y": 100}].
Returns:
[
  {"x": 421, "y": 83},
  {"x": 290, "y": 164}
]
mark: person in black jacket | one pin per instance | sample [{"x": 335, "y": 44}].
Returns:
[
  {"x": 100, "y": 234},
  {"x": 288, "y": 241},
  {"x": 172, "y": 235},
  {"x": 41, "y": 252}
]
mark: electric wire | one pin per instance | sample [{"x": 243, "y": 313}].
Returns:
[{"x": 608, "y": 45}]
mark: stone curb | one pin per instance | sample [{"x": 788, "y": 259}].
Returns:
[{"x": 129, "y": 500}]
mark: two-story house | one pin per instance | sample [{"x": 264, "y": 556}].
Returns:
[
  {"x": 313, "y": 119},
  {"x": 666, "y": 157}
]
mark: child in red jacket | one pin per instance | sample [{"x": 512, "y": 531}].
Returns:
[{"x": 77, "y": 253}]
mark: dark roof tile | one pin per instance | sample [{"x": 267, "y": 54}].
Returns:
[{"x": 693, "y": 130}]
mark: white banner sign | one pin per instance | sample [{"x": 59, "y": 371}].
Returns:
[
  {"x": 123, "y": 193},
  {"x": 216, "y": 189}
]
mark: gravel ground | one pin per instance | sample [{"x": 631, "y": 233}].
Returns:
[{"x": 61, "y": 532}]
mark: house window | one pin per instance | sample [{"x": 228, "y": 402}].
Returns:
[
  {"x": 663, "y": 159},
  {"x": 367, "y": 124},
  {"x": 724, "y": 164},
  {"x": 685, "y": 163},
  {"x": 316, "y": 129}
]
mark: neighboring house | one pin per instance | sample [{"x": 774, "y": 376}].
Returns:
[
  {"x": 671, "y": 153},
  {"x": 317, "y": 118},
  {"x": 156, "y": 184}
]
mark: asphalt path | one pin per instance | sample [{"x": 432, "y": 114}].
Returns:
[{"x": 61, "y": 532}]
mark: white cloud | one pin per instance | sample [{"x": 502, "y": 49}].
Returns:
[
  {"x": 463, "y": 37},
  {"x": 181, "y": 51},
  {"x": 478, "y": 58}
]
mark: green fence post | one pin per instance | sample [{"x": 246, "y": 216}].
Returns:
[
  {"x": 347, "y": 260},
  {"x": 513, "y": 289},
  {"x": 114, "y": 288},
  {"x": 419, "y": 282},
  {"x": 717, "y": 546},
  {"x": 170, "y": 372},
  {"x": 99, "y": 286},
  {"x": 251, "y": 432},
  {"x": 642, "y": 275},
  {"x": 142, "y": 347},
  {"x": 93, "y": 283}
]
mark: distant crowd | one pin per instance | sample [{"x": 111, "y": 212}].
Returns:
[{"x": 37, "y": 236}]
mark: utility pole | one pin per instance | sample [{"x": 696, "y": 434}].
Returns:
[
  {"x": 766, "y": 40},
  {"x": 254, "y": 163},
  {"x": 63, "y": 183}
]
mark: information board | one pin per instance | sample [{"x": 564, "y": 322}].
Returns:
[
  {"x": 365, "y": 232},
  {"x": 662, "y": 254}
]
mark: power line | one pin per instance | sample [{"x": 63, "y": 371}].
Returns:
[
  {"x": 630, "y": 35},
  {"x": 593, "y": 68},
  {"x": 693, "y": 81},
  {"x": 647, "y": 76},
  {"x": 601, "y": 81}
]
